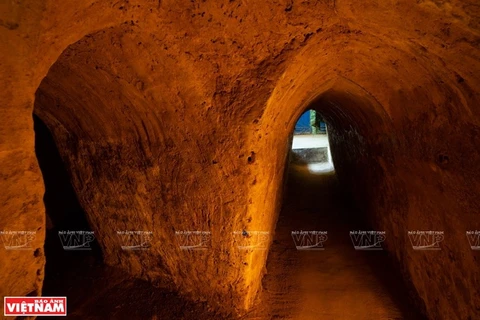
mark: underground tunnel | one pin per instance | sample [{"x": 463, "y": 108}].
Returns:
[
  {"x": 315, "y": 211},
  {"x": 164, "y": 172}
]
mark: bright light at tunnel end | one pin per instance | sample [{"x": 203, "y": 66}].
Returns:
[{"x": 322, "y": 167}]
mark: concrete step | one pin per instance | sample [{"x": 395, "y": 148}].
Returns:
[{"x": 309, "y": 155}]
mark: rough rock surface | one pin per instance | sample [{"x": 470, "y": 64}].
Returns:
[{"x": 177, "y": 115}]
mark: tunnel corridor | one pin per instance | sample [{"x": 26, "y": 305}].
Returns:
[
  {"x": 337, "y": 281},
  {"x": 162, "y": 137}
]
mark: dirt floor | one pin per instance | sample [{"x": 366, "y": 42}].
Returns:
[
  {"x": 95, "y": 291},
  {"x": 336, "y": 283}
]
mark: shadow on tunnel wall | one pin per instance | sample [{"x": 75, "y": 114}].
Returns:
[{"x": 64, "y": 214}]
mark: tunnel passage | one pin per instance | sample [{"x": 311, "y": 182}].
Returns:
[
  {"x": 377, "y": 160},
  {"x": 314, "y": 269},
  {"x": 359, "y": 129},
  {"x": 385, "y": 131},
  {"x": 68, "y": 244},
  {"x": 118, "y": 102},
  {"x": 310, "y": 278}
]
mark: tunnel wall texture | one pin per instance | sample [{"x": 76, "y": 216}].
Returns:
[{"x": 127, "y": 87}]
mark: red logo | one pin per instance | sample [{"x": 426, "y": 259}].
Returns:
[{"x": 35, "y": 306}]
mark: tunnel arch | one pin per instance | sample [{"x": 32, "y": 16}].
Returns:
[
  {"x": 35, "y": 41},
  {"x": 351, "y": 114},
  {"x": 122, "y": 127},
  {"x": 398, "y": 116}
]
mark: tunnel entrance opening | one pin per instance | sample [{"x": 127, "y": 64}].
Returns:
[
  {"x": 69, "y": 241},
  {"x": 310, "y": 145}
]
